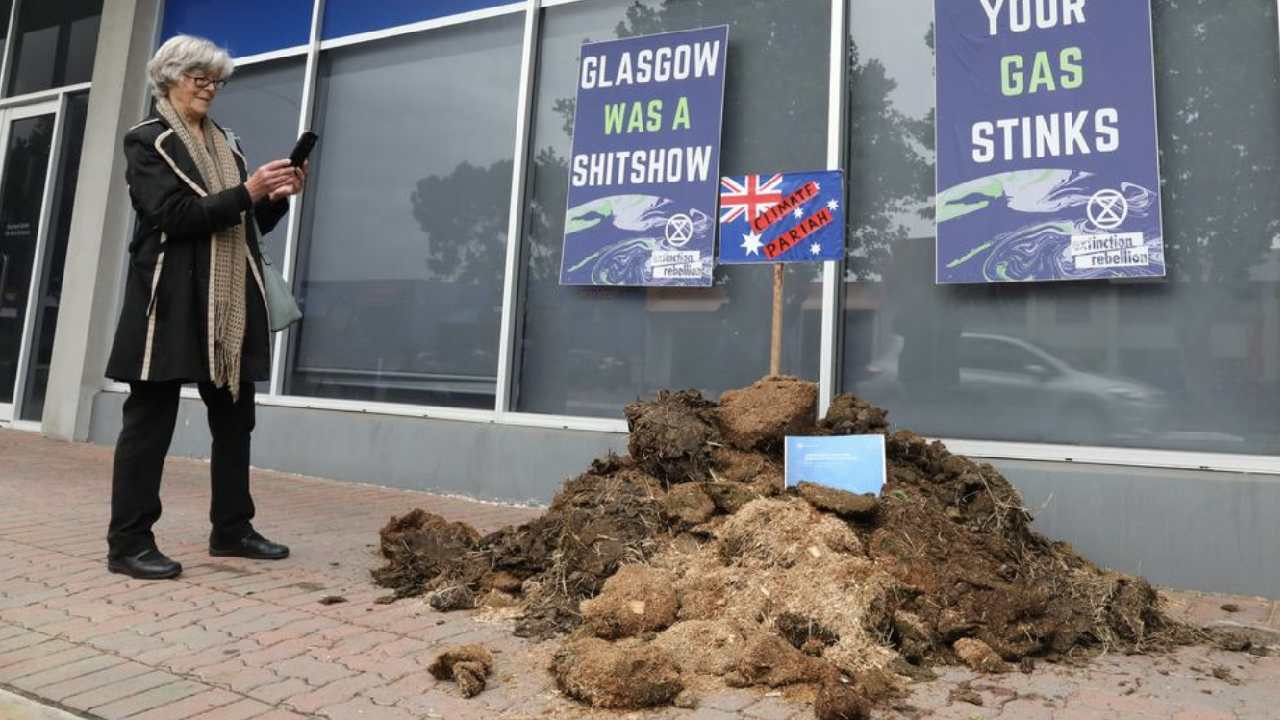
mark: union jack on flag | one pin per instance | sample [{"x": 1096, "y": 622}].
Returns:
[
  {"x": 785, "y": 217},
  {"x": 748, "y": 198}
]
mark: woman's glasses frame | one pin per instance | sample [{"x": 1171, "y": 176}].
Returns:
[{"x": 204, "y": 81}]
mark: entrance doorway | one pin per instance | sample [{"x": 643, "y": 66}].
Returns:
[{"x": 29, "y": 142}]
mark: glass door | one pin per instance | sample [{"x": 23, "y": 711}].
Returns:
[{"x": 27, "y": 139}]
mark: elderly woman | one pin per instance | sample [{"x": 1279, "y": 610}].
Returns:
[{"x": 194, "y": 306}]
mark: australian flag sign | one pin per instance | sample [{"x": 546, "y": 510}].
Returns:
[{"x": 784, "y": 217}]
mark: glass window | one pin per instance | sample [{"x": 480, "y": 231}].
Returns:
[
  {"x": 54, "y": 44},
  {"x": 997, "y": 354},
  {"x": 348, "y": 17},
  {"x": 1187, "y": 363},
  {"x": 403, "y": 246},
  {"x": 261, "y": 105},
  {"x": 589, "y": 351},
  {"x": 55, "y": 256},
  {"x": 244, "y": 27}
]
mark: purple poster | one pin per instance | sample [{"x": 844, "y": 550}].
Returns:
[
  {"x": 646, "y": 161},
  {"x": 1047, "y": 163}
]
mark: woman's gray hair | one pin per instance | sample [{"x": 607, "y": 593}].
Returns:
[{"x": 182, "y": 54}]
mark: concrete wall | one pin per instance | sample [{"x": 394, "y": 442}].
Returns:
[
  {"x": 1186, "y": 529},
  {"x": 101, "y": 220}
]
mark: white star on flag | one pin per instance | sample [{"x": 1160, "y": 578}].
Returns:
[
  {"x": 815, "y": 249},
  {"x": 751, "y": 243},
  {"x": 817, "y": 185},
  {"x": 798, "y": 213},
  {"x": 832, "y": 204}
]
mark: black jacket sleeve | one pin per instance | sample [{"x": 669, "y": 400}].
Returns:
[
  {"x": 270, "y": 213},
  {"x": 171, "y": 204}
]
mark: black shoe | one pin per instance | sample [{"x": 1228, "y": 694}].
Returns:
[
  {"x": 150, "y": 564},
  {"x": 251, "y": 545}
]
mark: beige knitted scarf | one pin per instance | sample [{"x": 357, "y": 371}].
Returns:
[{"x": 229, "y": 251}]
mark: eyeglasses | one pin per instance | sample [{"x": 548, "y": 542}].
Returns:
[{"x": 203, "y": 81}]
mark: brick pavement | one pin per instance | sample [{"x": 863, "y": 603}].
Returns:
[{"x": 242, "y": 640}]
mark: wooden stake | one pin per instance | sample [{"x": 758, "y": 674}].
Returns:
[{"x": 775, "y": 343}]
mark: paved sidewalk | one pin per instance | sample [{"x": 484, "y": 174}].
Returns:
[
  {"x": 17, "y": 707},
  {"x": 243, "y": 640}
]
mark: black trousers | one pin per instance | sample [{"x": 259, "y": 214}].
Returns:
[{"x": 150, "y": 413}]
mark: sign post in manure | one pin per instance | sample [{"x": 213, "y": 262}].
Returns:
[
  {"x": 781, "y": 218},
  {"x": 1047, "y": 162},
  {"x": 646, "y": 157}
]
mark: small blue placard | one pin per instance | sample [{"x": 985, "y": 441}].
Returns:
[{"x": 855, "y": 463}]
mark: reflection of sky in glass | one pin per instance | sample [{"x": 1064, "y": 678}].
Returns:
[
  {"x": 395, "y": 112},
  {"x": 908, "y": 60},
  {"x": 261, "y": 105},
  {"x": 894, "y": 34},
  {"x": 561, "y": 38}
]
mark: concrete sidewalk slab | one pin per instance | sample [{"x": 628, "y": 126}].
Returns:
[
  {"x": 236, "y": 639},
  {"x": 17, "y": 707}
]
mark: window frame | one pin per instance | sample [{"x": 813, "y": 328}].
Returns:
[{"x": 7, "y": 63}]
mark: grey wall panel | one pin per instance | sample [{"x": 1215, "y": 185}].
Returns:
[
  {"x": 475, "y": 459},
  {"x": 1209, "y": 531},
  {"x": 1196, "y": 530}
]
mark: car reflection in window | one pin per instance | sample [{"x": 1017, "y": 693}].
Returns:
[{"x": 1006, "y": 388}]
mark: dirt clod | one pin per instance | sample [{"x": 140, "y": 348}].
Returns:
[
  {"x": 636, "y": 600},
  {"x": 730, "y": 497},
  {"x": 849, "y": 415},
  {"x": 627, "y": 675},
  {"x": 979, "y": 656},
  {"x": 749, "y": 468},
  {"x": 838, "y": 700},
  {"x": 914, "y": 639},
  {"x": 705, "y": 647},
  {"x": 1223, "y": 673},
  {"x": 804, "y": 633},
  {"x": 767, "y": 659},
  {"x": 687, "y": 505},
  {"x": 673, "y": 436},
  {"x": 418, "y": 546},
  {"x": 843, "y": 503},
  {"x": 686, "y": 700},
  {"x": 456, "y": 597},
  {"x": 467, "y": 665},
  {"x": 761, "y": 416}
]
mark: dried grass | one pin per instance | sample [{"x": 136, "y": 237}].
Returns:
[{"x": 778, "y": 557}]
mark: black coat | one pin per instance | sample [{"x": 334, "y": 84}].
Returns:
[{"x": 165, "y": 320}]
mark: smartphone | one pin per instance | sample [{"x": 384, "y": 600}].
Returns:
[{"x": 303, "y": 148}]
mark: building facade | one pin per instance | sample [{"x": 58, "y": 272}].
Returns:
[{"x": 438, "y": 350}]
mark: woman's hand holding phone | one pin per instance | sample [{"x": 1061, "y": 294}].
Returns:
[
  {"x": 300, "y": 165},
  {"x": 293, "y": 185}
]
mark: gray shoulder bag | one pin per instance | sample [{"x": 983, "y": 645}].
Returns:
[{"x": 282, "y": 308}]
